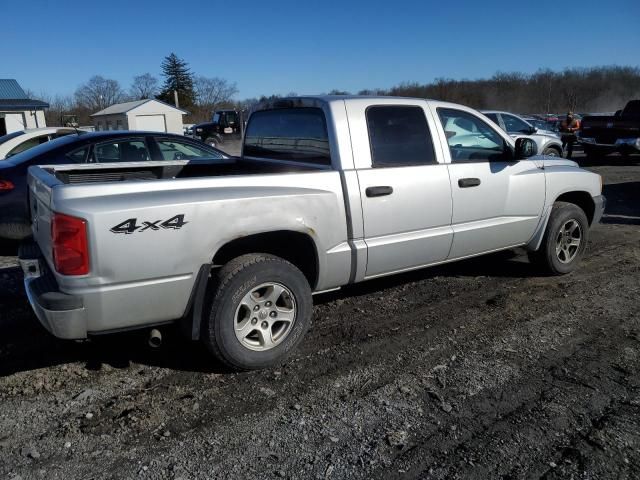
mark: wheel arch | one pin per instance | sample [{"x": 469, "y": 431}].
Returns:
[
  {"x": 555, "y": 146},
  {"x": 298, "y": 248},
  {"x": 582, "y": 199}
]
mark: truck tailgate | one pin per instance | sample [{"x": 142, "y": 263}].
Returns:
[
  {"x": 41, "y": 183},
  {"x": 606, "y": 130}
]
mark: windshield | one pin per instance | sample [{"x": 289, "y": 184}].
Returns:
[
  {"x": 539, "y": 124},
  {"x": 9, "y": 136},
  {"x": 514, "y": 124},
  {"x": 32, "y": 153}
]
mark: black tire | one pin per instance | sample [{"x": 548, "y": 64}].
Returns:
[
  {"x": 552, "y": 151},
  {"x": 546, "y": 257},
  {"x": 213, "y": 141},
  {"x": 232, "y": 283}
]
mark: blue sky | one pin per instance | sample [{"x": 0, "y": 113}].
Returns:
[{"x": 310, "y": 46}]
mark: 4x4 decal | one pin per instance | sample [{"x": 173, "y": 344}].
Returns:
[{"x": 131, "y": 225}]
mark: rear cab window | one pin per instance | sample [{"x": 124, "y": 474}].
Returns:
[{"x": 298, "y": 134}]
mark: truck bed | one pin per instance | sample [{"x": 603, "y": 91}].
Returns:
[{"x": 132, "y": 171}]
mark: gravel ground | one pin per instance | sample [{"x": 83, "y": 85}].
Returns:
[{"x": 480, "y": 369}]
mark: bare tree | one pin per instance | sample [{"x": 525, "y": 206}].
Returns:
[
  {"x": 99, "y": 93},
  {"x": 212, "y": 91},
  {"x": 144, "y": 86}
]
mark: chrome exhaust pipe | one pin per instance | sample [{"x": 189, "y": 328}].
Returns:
[{"x": 155, "y": 338}]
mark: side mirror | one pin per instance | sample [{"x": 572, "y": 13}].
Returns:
[
  {"x": 525, "y": 148},
  {"x": 532, "y": 130}
]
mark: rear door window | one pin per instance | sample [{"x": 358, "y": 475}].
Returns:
[
  {"x": 399, "y": 136},
  {"x": 79, "y": 155},
  {"x": 121, "y": 151},
  {"x": 288, "y": 134}
]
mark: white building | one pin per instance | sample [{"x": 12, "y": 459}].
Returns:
[
  {"x": 17, "y": 111},
  {"x": 149, "y": 115}
]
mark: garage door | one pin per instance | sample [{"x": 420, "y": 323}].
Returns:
[
  {"x": 151, "y": 123},
  {"x": 14, "y": 122}
]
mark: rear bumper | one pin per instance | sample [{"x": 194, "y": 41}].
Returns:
[
  {"x": 62, "y": 315},
  {"x": 600, "y": 203}
]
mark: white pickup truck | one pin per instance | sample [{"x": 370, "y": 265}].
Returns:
[{"x": 328, "y": 191}]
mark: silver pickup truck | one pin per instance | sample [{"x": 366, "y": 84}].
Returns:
[{"x": 328, "y": 191}]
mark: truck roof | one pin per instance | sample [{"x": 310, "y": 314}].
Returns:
[{"x": 310, "y": 100}]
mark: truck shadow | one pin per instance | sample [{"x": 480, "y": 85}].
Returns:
[
  {"x": 623, "y": 203},
  {"x": 613, "y": 160},
  {"x": 25, "y": 345}
]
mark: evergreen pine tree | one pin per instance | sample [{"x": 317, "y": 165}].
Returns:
[{"x": 177, "y": 76}]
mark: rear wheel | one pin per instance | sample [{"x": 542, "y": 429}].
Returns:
[
  {"x": 564, "y": 241},
  {"x": 260, "y": 309}
]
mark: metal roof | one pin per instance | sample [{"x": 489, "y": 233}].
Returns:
[
  {"x": 22, "y": 104},
  {"x": 128, "y": 106},
  {"x": 11, "y": 90}
]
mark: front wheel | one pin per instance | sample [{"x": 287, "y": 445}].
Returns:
[
  {"x": 261, "y": 308},
  {"x": 552, "y": 152},
  {"x": 213, "y": 141},
  {"x": 564, "y": 241}
]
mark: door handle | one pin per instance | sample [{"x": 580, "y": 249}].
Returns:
[
  {"x": 378, "y": 191},
  {"x": 468, "y": 182}
]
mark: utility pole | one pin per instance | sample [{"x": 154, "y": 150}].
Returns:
[{"x": 175, "y": 97}]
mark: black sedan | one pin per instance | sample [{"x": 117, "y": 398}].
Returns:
[{"x": 96, "y": 147}]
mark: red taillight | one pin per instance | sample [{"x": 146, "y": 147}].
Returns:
[
  {"x": 6, "y": 185},
  {"x": 69, "y": 241}
]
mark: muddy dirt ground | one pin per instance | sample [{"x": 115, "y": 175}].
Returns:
[{"x": 481, "y": 369}]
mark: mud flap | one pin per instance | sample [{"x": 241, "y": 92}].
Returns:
[{"x": 191, "y": 321}]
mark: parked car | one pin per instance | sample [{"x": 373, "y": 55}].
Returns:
[
  {"x": 225, "y": 125},
  {"x": 330, "y": 191},
  {"x": 18, "y": 142},
  {"x": 548, "y": 143},
  {"x": 96, "y": 147},
  {"x": 601, "y": 135}
]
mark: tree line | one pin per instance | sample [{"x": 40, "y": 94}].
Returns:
[
  {"x": 197, "y": 94},
  {"x": 597, "y": 89}
]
